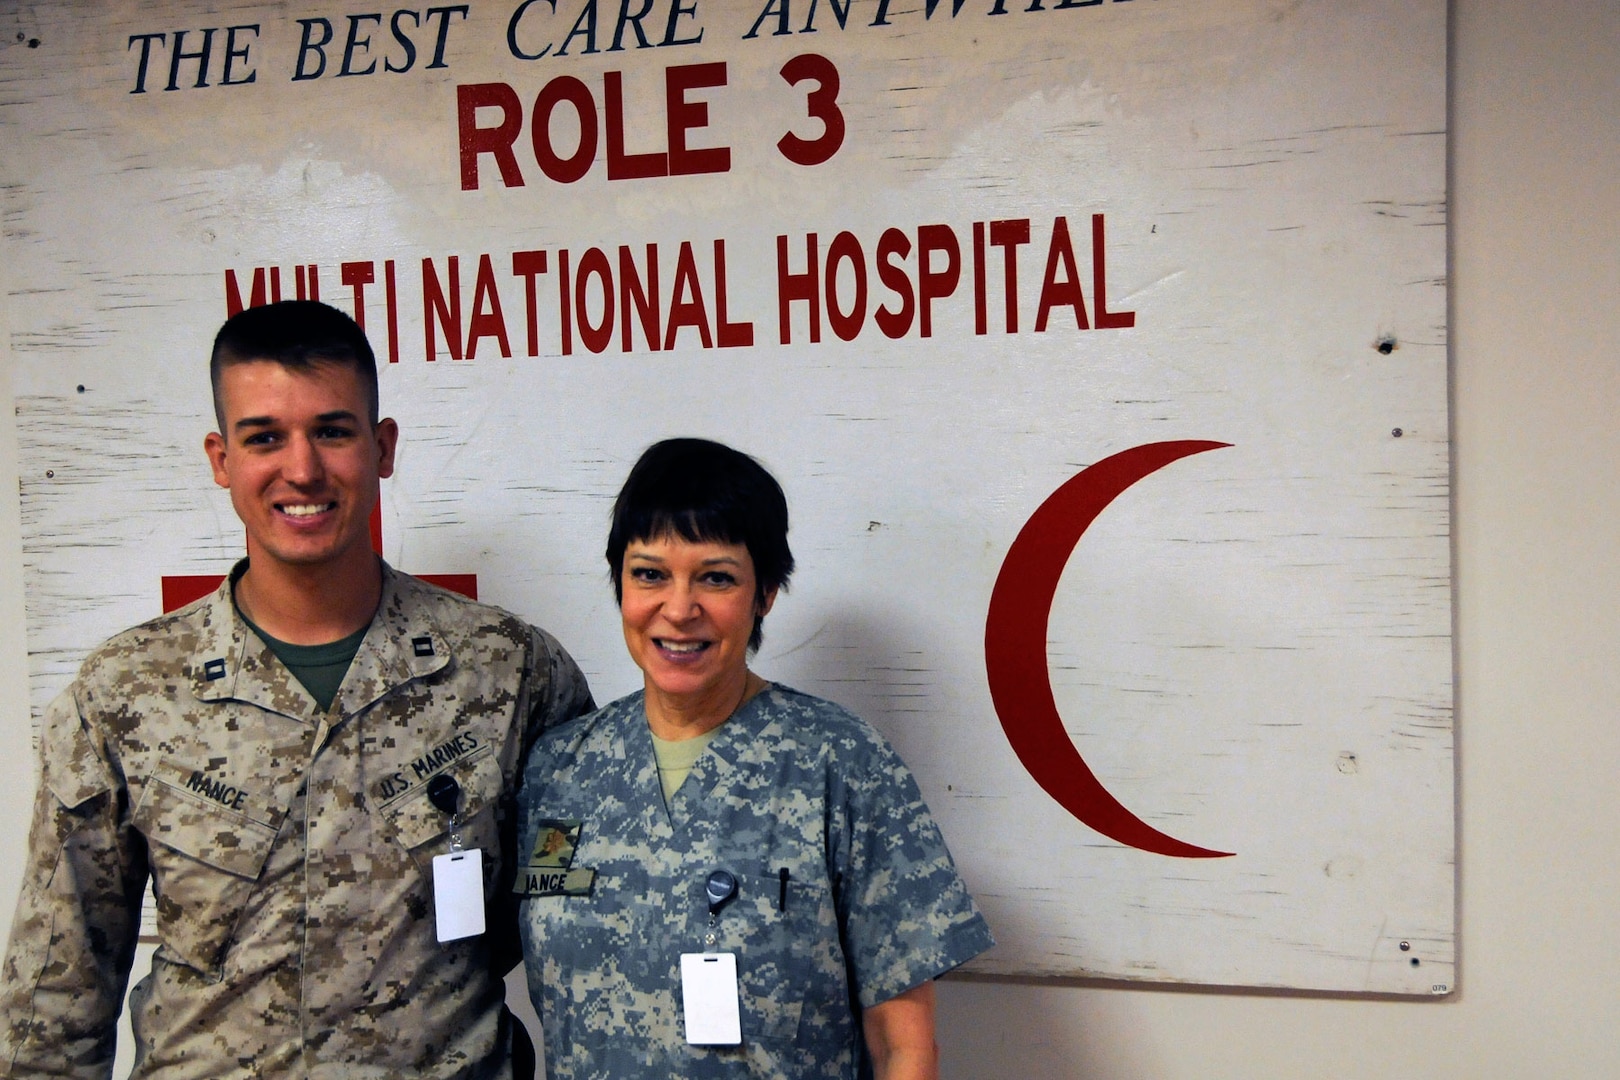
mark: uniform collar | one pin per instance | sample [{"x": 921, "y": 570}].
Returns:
[
  {"x": 232, "y": 663},
  {"x": 739, "y": 737}
]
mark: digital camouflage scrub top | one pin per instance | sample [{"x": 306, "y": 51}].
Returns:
[
  {"x": 872, "y": 904},
  {"x": 289, "y": 850}
]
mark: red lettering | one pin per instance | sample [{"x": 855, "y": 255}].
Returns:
[
  {"x": 981, "y": 314},
  {"x": 686, "y": 305},
  {"x": 594, "y": 263},
  {"x": 233, "y": 292},
  {"x": 497, "y": 140},
  {"x": 391, "y": 303},
  {"x": 565, "y": 321},
  {"x": 845, "y": 248},
  {"x": 895, "y": 324},
  {"x": 1064, "y": 291},
  {"x": 682, "y": 116},
  {"x": 442, "y": 311},
  {"x": 643, "y": 300},
  {"x": 620, "y": 165},
  {"x": 528, "y": 265},
  {"x": 732, "y": 334},
  {"x": 357, "y": 275},
  {"x": 791, "y": 287},
  {"x": 307, "y": 283},
  {"x": 1106, "y": 320},
  {"x": 564, "y": 88},
  {"x": 1007, "y": 235},
  {"x": 314, "y": 279},
  {"x": 935, "y": 284},
  {"x": 490, "y": 323},
  {"x": 821, "y": 104}
]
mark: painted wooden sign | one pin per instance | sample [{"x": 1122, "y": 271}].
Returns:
[{"x": 1100, "y": 348}]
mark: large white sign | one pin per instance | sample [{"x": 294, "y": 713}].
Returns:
[{"x": 1100, "y": 347}]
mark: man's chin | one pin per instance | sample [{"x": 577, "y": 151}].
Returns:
[{"x": 312, "y": 556}]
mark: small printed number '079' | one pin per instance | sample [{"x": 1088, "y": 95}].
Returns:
[{"x": 821, "y": 104}]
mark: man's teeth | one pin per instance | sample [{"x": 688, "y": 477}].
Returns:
[
  {"x": 684, "y": 646},
  {"x": 306, "y": 509}
]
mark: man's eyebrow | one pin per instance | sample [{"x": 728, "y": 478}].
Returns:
[{"x": 337, "y": 416}]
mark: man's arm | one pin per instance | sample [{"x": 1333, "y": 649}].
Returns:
[
  {"x": 566, "y": 693},
  {"x": 900, "y": 1036},
  {"x": 555, "y": 690},
  {"x": 78, "y": 916}
]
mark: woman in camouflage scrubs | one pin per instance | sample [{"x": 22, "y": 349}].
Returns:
[{"x": 718, "y": 815}]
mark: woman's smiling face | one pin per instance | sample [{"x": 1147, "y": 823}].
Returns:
[{"x": 688, "y": 609}]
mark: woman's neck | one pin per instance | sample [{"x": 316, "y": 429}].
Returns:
[{"x": 680, "y": 717}]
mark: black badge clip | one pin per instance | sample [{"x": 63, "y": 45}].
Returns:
[
  {"x": 445, "y": 794},
  {"x": 721, "y": 889}
]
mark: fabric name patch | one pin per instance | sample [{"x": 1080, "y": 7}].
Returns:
[
  {"x": 551, "y": 864},
  {"x": 555, "y": 882}
]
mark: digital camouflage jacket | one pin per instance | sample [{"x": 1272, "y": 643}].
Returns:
[{"x": 288, "y": 851}]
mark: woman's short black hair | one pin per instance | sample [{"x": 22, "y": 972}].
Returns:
[{"x": 704, "y": 492}]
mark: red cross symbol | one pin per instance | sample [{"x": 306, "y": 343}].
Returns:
[{"x": 181, "y": 589}]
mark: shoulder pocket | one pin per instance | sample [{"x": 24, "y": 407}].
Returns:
[
  {"x": 424, "y": 830},
  {"x": 206, "y": 861},
  {"x": 71, "y": 768}
]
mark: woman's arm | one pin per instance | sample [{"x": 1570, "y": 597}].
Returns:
[{"x": 900, "y": 1036}]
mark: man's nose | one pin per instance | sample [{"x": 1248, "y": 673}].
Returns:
[{"x": 303, "y": 464}]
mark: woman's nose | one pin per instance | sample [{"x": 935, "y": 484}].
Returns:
[{"x": 680, "y": 602}]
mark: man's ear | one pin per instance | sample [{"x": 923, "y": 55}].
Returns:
[
  {"x": 387, "y": 436},
  {"x": 214, "y": 447}
]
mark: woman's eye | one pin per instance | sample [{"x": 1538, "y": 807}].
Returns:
[
  {"x": 718, "y": 577},
  {"x": 644, "y": 573}
]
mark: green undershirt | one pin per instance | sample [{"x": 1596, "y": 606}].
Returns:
[
  {"x": 320, "y": 668},
  {"x": 676, "y": 758}
]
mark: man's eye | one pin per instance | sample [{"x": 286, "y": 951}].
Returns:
[
  {"x": 261, "y": 438},
  {"x": 334, "y": 433}
]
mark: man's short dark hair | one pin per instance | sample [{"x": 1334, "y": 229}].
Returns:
[
  {"x": 704, "y": 492},
  {"x": 297, "y": 334}
]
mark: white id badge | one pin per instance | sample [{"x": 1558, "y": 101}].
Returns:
[
  {"x": 709, "y": 999},
  {"x": 458, "y": 894}
]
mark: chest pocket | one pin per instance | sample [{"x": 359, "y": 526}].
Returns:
[
  {"x": 790, "y": 965},
  {"x": 424, "y": 830},
  {"x": 208, "y": 845}
]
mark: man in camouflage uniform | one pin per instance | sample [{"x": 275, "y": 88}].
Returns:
[
  {"x": 263, "y": 757},
  {"x": 846, "y": 896}
]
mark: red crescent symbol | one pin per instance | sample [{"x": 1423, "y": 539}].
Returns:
[{"x": 1015, "y": 644}]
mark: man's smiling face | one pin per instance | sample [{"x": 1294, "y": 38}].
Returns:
[{"x": 301, "y": 460}]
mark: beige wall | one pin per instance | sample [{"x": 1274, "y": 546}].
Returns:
[{"x": 1536, "y": 375}]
